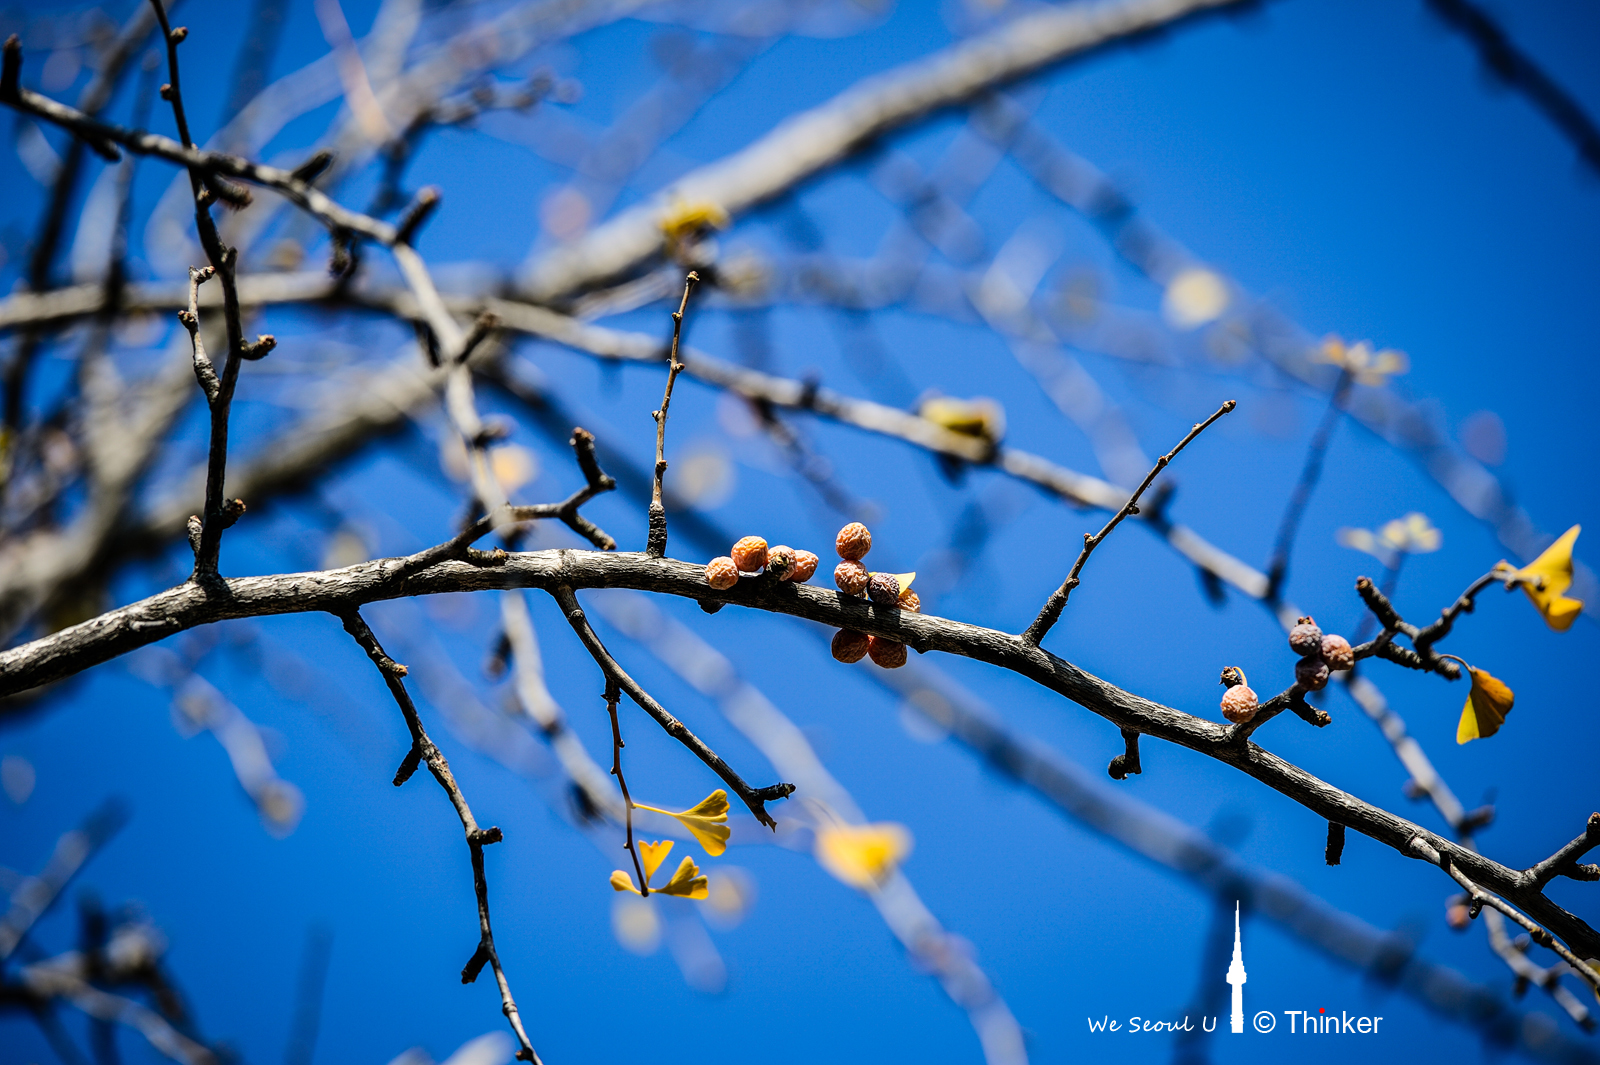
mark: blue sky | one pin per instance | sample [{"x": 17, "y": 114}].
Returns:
[{"x": 1346, "y": 161}]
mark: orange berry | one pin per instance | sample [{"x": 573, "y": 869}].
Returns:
[
  {"x": 851, "y": 577},
  {"x": 750, "y": 554},
  {"x": 721, "y": 573},
  {"x": 853, "y": 541},
  {"x": 1239, "y": 704},
  {"x": 780, "y": 561},
  {"x": 850, "y": 646},
  {"x": 910, "y": 601},
  {"x": 805, "y": 565},
  {"x": 890, "y": 654},
  {"x": 1337, "y": 652},
  {"x": 1305, "y": 639}
]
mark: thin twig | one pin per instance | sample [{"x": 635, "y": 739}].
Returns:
[
  {"x": 1058, "y": 600},
  {"x": 423, "y": 751},
  {"x": 613, "y": 696},
  {"x": 656, "y": 543},
  {"x": 755, "y": 798}
]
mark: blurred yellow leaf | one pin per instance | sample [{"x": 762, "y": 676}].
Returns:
[
  {"x": 862, "y": 855},
  {"x": 1487, "y": 706},
  {"x": 706, "y": 820},
  {"x": 1194, "y": 297},
  {"x": 980, "y": 417},
  {"x": 621, "y": 881},
  {"x": 685, "y": 218},
  {"x": 1547, "y": 578},
  {"x": 1360, "y": 361}
]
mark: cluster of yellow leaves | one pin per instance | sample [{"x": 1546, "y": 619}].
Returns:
[
  {"x": 980, "y": 417},
  {"x": 862, "y": 856},
  {"x": 1361, "y": 362},
  {"x": 707, "y": 822},
  {"x": 686, "y": 883},
  {"x": 1545, "y": 580},
  {"x": 1413, "y": 534}
]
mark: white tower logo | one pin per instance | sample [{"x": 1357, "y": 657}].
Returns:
[{"x": 1236, "y": 975}]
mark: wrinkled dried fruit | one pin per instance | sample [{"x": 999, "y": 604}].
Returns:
[
  {"x": 721, "y": 573},
  {"x": 851, "y": 577},
  {"x": 910, "y": 601},
  {"x": 1239, "y": 704},
  {"x": 780, "y": 561},
  {"x": 884, "y": 589},
  {"x": 853, "y": 541},
  {"x": 1337, "y": 652},
  {"x": 1311, "y": 674},
  {"x": 890, "y": 654},
  {"x": 850, "y": 646},
  {"x": 750, "y": 554},
  {"x": 1305, "y": 638},
  {"x": 805, "y": 565}
]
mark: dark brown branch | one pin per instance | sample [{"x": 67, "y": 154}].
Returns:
[
  {"x": 613, "y": 695},
  {"x": 1335, "y": 848},
  {"x": 755, "y": 798},
  {"x": 1564, "y": 861},
  {"x": 423, "y": 751},
  {"x": 1057, "y": 601},
  {"x": 656, "y": 543},
  {"x": 1426, "y": 637}
]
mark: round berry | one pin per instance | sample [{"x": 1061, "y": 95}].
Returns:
[
  {"x": 780, "y": 562},
  {"x": 890, "y": 654},
  {"x": 805, "y": 565},
  {"x": 1337, "y": 652},
  {"x": 1311, "y": 674},
  {"x": 1305, "y": 639},
  {"x": 750, "y": 554},
  {"x": 721, "y": 573},
  {"x": 1458, "y": 917},
  {"x": 853, "y": 541},
  {"x": 851, "y": 577},
  {"x": 910, "y": 601},
  {"x": 850, "y": 646},
  {"x": 884, "y": 589},
  {"x": 1239, "y": 704}
]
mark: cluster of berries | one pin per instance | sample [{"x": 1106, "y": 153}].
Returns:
[
  {"x": 884, "y": 589},
  {"x": 1318, "y": 654},
  {"x": 751, "y": 555}
]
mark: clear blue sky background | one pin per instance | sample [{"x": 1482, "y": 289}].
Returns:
[{"x": 1348, "y": 160}]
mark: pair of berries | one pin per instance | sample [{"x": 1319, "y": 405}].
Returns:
[
  {"x": 751, "y": 555},
  {"x": 884, "y": 589},
  {"x": 1318, "y": 653}
]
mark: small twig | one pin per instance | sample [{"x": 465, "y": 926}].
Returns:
[
  {"x": 755, "y": 798},
  {"x": 1278, "y": 564},
  {"x": 204, "y": 371},
  {"x": 1335, "y": 848},
  {"x": 656, "y": 544},
  {"x": 1127, "y": 762},
  {"x": 1564, "y": 861},
  {"x": 613, "y": 696},
  {"x": 1058, "y": 600},
  {"x": 1426, "y": 637},
  {"x": 422, "y": 751}
]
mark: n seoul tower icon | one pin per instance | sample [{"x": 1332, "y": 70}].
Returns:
[{"x": 1236, "y": 976}]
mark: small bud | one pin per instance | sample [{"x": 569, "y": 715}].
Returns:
[
  {"x": 890, "y": 654},
  {"x": 780, "y": 562},
  {"x": 721, "y": 573},
  {"x": 1305, "y": 638},
  {"x": 851, "y": 577},
  {"x": 909, "y": 601},
  {"x": 853, "y": 541},
  {"x": 850, "y": 646},
  {"x": 1311, "y": 674},
  {"x": 166, "y": 92},
  {"x": 1239, "y": 704},
  {"x": 805, "y": 566},
  {"x": 178, "y": 35},
  {"x": 884, "y": 589},
  {"x": 750, "y": 554},
  {"x": 1337, "y": 652}
]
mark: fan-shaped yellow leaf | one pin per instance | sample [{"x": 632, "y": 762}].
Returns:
[
  {"x": 686, "y": 883},
  {"x": 705, "y": 820},
  {"x": 862, "y": 855},
  {"x": 1487, "y": 706},
  {"x": 621, "y": 881},
  {"x": 1547, "y": 578},
  {"x": 651, "y": 855}
]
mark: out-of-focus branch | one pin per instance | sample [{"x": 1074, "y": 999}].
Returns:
[{"x": 31, "y": 898}]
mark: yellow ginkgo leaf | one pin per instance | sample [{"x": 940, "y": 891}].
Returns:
[
  {"x": 862, "y": 855},
  {"x": 688, "y": 217},
  {"x": 621, "y": 881},
  {"x": 1487, "y": 706},
  {"x": 1547, "y": 578},
  {"x": 651, "y": 855},
  {"x": 980, "y": 417},
  {"x": 706, "y": 820},
  {"x": 686, "y": 883}
]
